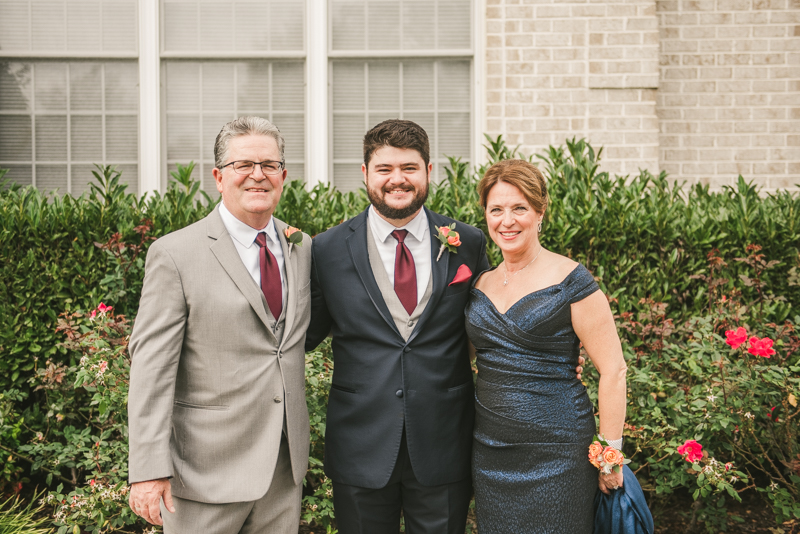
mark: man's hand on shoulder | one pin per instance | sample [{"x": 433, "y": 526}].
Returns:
[{"x": 146, "y": 496}]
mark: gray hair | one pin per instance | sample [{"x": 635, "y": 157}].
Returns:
[{"x": 244, "y": 126}]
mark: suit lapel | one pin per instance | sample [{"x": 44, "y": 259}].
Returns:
[
  {"x": 357, "y": 245},
  {"x": 438, "y": 271},
  {"x": 225, "y": 252},
  {"x": 291, "y": 276}
]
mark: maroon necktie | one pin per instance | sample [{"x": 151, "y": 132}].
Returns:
[
  {"x": 270, "y": 276},
  {"x": 405, "y": 274}
]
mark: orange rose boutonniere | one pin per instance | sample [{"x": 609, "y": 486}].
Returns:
[
  {"x": 449, "y": 238},
  {"x": 294, "y": 236}
]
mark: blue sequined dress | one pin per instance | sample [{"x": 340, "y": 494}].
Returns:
[{"x": 533, "y": 419}]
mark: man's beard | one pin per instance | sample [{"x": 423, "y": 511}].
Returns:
[{"x": 376, "y": 198}]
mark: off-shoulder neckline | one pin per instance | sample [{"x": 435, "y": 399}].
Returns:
[{"x": 558, "y": 285}]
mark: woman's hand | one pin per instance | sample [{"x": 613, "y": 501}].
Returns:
[{"x": 611, "y": 482}]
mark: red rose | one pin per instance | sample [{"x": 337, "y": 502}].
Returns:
[
  {"x": 761, "y": 347},
  {"x": 692, "y": 450},
  {"x": 736, "y": 337}
]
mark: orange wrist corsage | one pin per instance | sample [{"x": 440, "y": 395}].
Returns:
[{"x": 605, "y": 457}]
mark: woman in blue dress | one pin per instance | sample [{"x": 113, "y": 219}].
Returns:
[{"x": 534, "y": 422}]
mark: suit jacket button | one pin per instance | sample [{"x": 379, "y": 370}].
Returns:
[
  {"x": 277, "y": 398},
  {"x": 407, "y": 349},
  {"x": 399, "y": 393}
]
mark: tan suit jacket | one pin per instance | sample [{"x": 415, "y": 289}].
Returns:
[{"x": 210, "y": 380}]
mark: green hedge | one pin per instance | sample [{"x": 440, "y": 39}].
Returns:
[
  {"x": 642, "y": 236},
  {"x": 664, "y": 252}
]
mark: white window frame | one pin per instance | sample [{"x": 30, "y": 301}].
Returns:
[
  {"x": 318, "y": 163},
  {"x": 67, "y": 56},
  {"x": 151, "y": 153},
  {"x": 320, "y": 75}
]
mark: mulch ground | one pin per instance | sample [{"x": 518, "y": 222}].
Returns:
[{"x": 750, "y": 516}]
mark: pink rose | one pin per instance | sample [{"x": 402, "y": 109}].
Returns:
[
  {"x": 691, "y": 450},
  {"x": 291, "y": 230},
  {"x": 454, "y": 239},
  {"x": 595, "y": 449},
  {"x": 444, "y": 230}
]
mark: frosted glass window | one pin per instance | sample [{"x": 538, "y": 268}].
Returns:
[
  {"x": 81, "y": 26},
  {"x": 401, "y": 24},
  {"x": 436, "y": 94},
  {"x": 59, "y": 118},
  {"x": 221, "y": 26},
  {"x": 201, "y": 96}
]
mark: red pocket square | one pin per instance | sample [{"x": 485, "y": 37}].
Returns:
[{"x": 462, "y": 275}]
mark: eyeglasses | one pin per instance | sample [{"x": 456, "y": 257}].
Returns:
[{"x": 244, "y": 167}]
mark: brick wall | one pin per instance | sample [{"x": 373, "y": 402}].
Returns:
[
  {"x": 560, "y": 68},
  {"x": 643, "y": 78},
  {"x": 729, "y": 95}
]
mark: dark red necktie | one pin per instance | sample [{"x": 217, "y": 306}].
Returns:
[
  {"x": 405, "y": 274},
  {"x": 270, "y": 276}
]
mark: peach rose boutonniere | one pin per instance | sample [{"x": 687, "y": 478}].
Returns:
[
  {"x": 449, "y": 238},
  {"x": 605, "y": 457},
  {"x": 294, "y": 236}
]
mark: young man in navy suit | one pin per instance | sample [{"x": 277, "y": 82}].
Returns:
[{"x": 400, "y": 412}]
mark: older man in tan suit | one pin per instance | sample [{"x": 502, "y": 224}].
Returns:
[{"x": 218, "y": 419}]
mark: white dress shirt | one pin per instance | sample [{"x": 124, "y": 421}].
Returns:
[
  {"x": 418, "y": 241},
  {"x": 244, "y": 239}
]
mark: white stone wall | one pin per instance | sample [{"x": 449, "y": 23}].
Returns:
[{"x": 653, "y": 82}]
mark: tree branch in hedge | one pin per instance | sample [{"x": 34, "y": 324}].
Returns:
[{"x": 30, "y": 461}]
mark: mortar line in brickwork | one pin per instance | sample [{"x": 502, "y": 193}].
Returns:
[{"x": 504, "y": 85}]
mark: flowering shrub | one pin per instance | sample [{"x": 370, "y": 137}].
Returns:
[
  {"x": 712, "y": 391},
  {"x": 318, "y": 492},
  {"x": 90, "y": 445}
]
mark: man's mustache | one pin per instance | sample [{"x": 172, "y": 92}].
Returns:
[{"x": 404, "y": 187}]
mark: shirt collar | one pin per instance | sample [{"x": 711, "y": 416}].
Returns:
[
  {"x": 241, "y": 232},
  {"x": 417, "y": 227}
]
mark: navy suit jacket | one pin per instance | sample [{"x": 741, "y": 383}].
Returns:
[{"x": 383, "y": 383}]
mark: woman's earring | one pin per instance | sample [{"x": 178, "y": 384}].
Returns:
[{"x": 540, "y": 227}]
